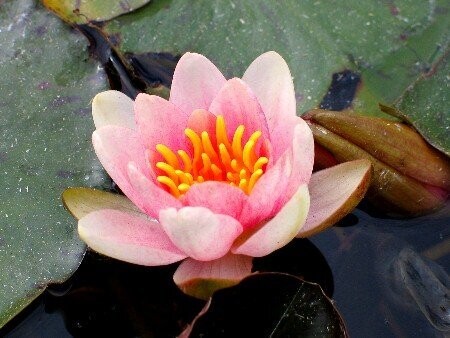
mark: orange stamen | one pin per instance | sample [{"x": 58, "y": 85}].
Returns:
[{"x": 238, "y": 163}]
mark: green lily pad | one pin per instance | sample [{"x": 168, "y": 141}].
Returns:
[
  {"x": 390, "y": 45},
  {"x": 427, "y": 103},
  {"x": 269, "y": 305},
  {"x": 78, "y": 12},
  {"x": 46, "y": 86}
]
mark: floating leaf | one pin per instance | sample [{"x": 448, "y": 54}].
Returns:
[
  {"x": 78, "y": 12},
  {"x": 47, "y": 83},
  {"x": 269, "y": 305},
  {"x": 426, "y": 105},
  {"x": 385, "y": 47}
]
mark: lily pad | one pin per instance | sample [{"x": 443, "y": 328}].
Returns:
[
  {"x": 389, "y": 45},
  {"x": 47, "y": 82},
  {"x": 269, "y": 305},
  {"x": 430, "y": 97},
  {"x": 77, "y": 12}
]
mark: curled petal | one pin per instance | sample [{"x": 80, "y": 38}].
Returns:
[
  {"x": 113, "y": 108},
  {"x": 196, "y": 81},
  {"x": 128, "y": 237},
  {"x": 201, "y": 279},
  {"x": 115, "y": 147},
  {"x": 262, "y": 203},
  {"x": 334, "y": 193},
  {"x": 280, "y": 182},
  {"x": 155, "y": 117},
  {"x": 279, "y": 231},
  {"x": 200, "y": 233},
  {"x": 270, "y": 79}
]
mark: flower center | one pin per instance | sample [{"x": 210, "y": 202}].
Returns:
[{"x": 223, "y": 161}]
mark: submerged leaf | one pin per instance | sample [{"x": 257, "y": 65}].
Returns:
[
  {"x": 269, "y": 305},
  {"x": 425, "y": 284}
]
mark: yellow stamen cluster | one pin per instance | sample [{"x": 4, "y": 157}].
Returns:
[{"x": 226, "y": 161}]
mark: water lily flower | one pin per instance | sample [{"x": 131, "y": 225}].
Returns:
[{"x": 218, "y": 174}]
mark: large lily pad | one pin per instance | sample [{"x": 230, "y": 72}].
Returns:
[
  {"x": 46, "y": 84},
  {"x": 388, "y": 45}
]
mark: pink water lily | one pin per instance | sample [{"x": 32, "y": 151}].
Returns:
[{"x": 219, "y": 173}]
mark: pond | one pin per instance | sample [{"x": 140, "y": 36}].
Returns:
[
  {"x": 357, "y": 263},
  {"x": 387, "y": 277}
]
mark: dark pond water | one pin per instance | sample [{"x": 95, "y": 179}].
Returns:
[{"x": 381, "y": 273}]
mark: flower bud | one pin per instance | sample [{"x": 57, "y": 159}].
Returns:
[{"x": 410, "y": 177}]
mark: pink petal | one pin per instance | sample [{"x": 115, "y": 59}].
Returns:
[
  {"x": 279, "y": 182},
  {"x": 271, "y": 81},
  {"x": 115, "y": 147},
  {"x": 200, "y": 233},
  {"x": 219, "y": 197},
  {"x": 159, "y": 121},
  {"x": 279, "y": 231},
  {"x": 262, "y": 203},
  {"x": 152, "y": 197},
  {"x": 128, "y": 237},
  {"x": 201, "y": 279},
  {"x": 113, "y": 108},
  {"x": 196, "y": 81},
  {"x": 303, "y": 157},
  {"x": 334, "y": 193},
  {"x": 238, "y": 105}
]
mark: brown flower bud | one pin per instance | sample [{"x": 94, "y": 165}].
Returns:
[{"x": 410, "y": 177}]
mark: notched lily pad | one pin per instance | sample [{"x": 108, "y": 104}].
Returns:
[
  {"x": 79, "y": 12},
  {"x": 46, "y": 85},
  {"x": 269, "y": 305}
]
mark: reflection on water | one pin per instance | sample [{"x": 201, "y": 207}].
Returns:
[
  {"x": 388, "y": 279},
  {"x": 370, "y": 291}
]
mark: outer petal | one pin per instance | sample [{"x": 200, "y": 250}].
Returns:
[
  {"x": 128, "y": 237},
  {"x": 113, "y": 108},
  {"x": 238, "y": 105},
  {"x": 196, "y": 81},
  {"x": 334, "y": 193},
  {"x": 279, "y": 231},
  {"x": 302, "y": 155},
  {"x": 200, "y": 233},
  {"x": 201, "y": 279},
  {"x": 153, "y": 197},
  {"x": 271, "y": 81},
  {"x": 219, "y": 197},
  {"x": 115, "y": 147},
  {"x": 159, "y": 121}
]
